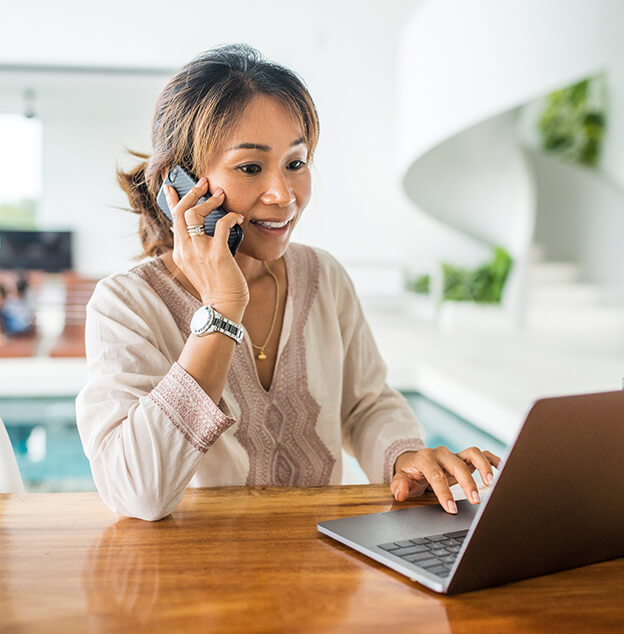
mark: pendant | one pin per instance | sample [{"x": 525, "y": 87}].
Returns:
[{"x": 261, "y": 354}]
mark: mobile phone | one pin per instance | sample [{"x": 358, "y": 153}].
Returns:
[{"x": 183, "y": 182}]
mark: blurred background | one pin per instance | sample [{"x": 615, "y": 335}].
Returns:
[{"x": 469, "y": 176}]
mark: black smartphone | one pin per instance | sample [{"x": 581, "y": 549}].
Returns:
[{"x": 182, "y": 182}]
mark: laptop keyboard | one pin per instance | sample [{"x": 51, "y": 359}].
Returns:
[{"x": 434, "y": 553}]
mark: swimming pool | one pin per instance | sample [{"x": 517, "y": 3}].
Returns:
[{"x": 50, "y": 457}]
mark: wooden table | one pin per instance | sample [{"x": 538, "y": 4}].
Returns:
[{"x": 251, "y": 560}]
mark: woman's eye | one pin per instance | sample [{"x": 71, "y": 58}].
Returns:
[
  {"x": 250, "y": 168},
  {"x": 254, "y": 168}
]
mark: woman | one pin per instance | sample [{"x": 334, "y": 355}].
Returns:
[{"x": 166, "y": 407}]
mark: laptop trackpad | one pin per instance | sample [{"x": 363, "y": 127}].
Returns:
[
  {"x": 429, "y": 520},
  {"x": 391, "y": 526}
]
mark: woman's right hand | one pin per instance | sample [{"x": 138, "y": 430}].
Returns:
[{"x": 206, "y": 261}]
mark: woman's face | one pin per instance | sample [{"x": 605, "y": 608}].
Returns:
[{"x": 262, "y": 168}]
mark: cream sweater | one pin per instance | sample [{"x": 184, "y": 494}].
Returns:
[{"x": 150, "y": 431}]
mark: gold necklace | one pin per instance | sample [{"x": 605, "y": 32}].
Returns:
[{"x": 261, "y": 356}]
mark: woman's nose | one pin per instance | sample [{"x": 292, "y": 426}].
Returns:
[{"x": 279, "y": 193}]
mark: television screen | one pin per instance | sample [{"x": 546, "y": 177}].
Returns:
[{"x": 49, "y": 251}]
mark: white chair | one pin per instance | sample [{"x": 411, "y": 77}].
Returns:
[{"x": 10, "y": 478}]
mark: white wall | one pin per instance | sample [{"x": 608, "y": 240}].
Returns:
[
  {"x": 85, "y": 128},
  {"x": 465, "y": 64},
  {"x": 479, "y": 58},
  {"x": 476, "y": 181},
  {"x": 345, "y": 51},
  {"x": 612, "y": 162},
  {"x": 581, "y": 218}
]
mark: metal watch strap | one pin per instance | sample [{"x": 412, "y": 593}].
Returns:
[
  {"x": 228, "y": 327},
  {"x": 206, "y": 320}
]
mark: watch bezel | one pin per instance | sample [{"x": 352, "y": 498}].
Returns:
[{"x": 208, "y": 318}]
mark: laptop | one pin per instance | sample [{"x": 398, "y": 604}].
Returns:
[{"x": 557, "y": 503}]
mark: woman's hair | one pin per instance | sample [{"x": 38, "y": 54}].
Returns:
[{"x": 195, "y": 111}]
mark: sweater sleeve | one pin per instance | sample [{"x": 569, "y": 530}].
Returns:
[
  {"x": 377, "y": 422},
  {"x": 144, "y": 422}
]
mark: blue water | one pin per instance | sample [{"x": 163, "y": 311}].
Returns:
[
  {"x": 443, "y": 427},
  {"x": 50, "y": 457},
  {"x": 46, "y": 443}
]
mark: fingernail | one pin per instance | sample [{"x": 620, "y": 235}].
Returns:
[
  {"x": 475, "y": 497},
  {"x": 201, "y": 182},
  {"x": 451, "y": 506},
  {"x": 218, "y": 191},
  {"x": 488, "y": 479}
]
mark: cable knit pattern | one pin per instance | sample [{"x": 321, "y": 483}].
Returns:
[
  {"x": 190, "y": 409},
  {"x": 395, "y": 450},
  {"x": 278, "y": 427}
]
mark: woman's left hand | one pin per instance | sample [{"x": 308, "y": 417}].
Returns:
[{"x": 439, "y": 469}]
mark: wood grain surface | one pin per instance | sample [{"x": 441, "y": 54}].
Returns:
[{"x": 250, "y": 560}]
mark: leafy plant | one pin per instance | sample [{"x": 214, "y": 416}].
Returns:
[
  {"x": 484, "y": 284},
  {"x": 420, "y": 284},
  {"x": 573, "y": 122}
]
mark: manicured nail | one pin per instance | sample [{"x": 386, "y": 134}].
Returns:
[
  {"x": 451, "y": 506},
  {"x": 218, "y": 191},
  {"x": 475, "y": 497},
  {"x": 488, "y": 479}
]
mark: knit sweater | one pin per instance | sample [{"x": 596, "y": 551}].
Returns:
[{"x": 149, "y": 430}]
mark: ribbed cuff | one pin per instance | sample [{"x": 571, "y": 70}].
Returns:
[
  {"x": 395, "y": 450},
  {"x": 192, "y": 412}
]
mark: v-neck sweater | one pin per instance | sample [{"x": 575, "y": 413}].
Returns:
[{"x": 149, "y": 430}]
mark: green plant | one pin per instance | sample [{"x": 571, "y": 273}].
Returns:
[
  {"x": 572, "y": 124},
  {"x": 20, "y": 215},
  {"x": 420, "y": 284},
  {"x": 483, "y": 285}
]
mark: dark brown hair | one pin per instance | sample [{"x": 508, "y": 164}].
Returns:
[{"x": 197, "y": 108}]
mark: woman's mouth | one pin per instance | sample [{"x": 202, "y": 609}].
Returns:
[{"x": 271, "y": 228}]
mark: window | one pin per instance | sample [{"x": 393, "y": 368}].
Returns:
[{"x": 20, "y": 170}]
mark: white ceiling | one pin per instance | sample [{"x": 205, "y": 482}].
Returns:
[{"x": 168, "y": 34}]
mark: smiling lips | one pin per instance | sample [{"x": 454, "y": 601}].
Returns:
[{"x": 271, "y": 224}]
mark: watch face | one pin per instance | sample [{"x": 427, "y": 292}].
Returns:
[{"x": 202, "y": 319}]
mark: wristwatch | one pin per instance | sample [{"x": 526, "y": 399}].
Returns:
[{"x": 206, "y": 320}]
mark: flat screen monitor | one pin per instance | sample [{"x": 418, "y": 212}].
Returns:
[{"x": 49, "y": 251}]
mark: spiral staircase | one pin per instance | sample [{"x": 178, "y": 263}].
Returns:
[{"x": 465, "y": 69}]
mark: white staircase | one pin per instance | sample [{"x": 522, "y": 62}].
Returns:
[
  {"x": 560, "y": 303},
  {"x": 465, "y": 68}
]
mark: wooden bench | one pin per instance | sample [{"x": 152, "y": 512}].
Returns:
[{"x": 71, "y": 342}]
